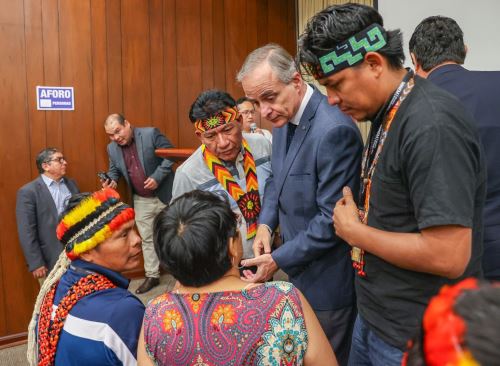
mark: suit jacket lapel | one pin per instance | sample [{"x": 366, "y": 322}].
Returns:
[
  {"x": 298, "y": 139},
  {"x": 46, "y": 196},
  {"x": 138, "y": 145},
  {"x": 117, "y": 157}
]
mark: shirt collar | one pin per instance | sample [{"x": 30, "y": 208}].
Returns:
[
  {"x": 307, "y": 96},
  {"x": 48, "y": 181}
]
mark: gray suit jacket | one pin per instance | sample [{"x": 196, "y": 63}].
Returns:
[
  {"x": 147, "y": 140},
  {"x": 37, "y": 219}
]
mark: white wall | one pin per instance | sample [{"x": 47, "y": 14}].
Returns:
[{"x": 479, "y": 20}]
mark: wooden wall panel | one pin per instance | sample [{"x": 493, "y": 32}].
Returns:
[
  {"x": 34, "y": 76},
  {"x": 156, "y": 56},
  {"x": 208, "y": 57},
  {"x": 236, "y": 43},
  {"x": 219, "y": 44},
  {"x": 17, "y": 292},
  {"x": 136, "y": 62},
  {"x": 100, "y": 97},
  {"x": 114, "y": 55},
  {"x": 52, "y": 75},
  {"x": 189, "y": 59},
  {"x": 75, "y": 52},
  {"x": 172, "y": 119},
  {"x": 146, "y": 58}
]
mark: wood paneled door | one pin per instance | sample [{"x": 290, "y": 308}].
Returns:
[{"x": 146, "y": 59}]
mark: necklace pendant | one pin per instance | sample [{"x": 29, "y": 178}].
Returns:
[{"x": 356, "y": 254}]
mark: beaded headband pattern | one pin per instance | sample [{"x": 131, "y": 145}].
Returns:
[
  {"x": 349, "y": 52},
  {"x": 93, "y": 221},
  {"x": 221, "y": 118}
]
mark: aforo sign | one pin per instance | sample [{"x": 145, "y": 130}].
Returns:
[{"x": 55, "y": 98}]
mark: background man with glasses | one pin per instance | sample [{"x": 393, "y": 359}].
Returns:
[
  {"x": 250, "y": 117},
  {"x": 38, "y": 206}
]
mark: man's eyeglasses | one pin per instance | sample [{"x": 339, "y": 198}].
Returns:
[
  {"x": 248, "y": 112},
  {"x": 59, "y": 159}
]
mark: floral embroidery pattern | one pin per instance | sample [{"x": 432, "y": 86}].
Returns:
[
  {"x": 172, "y": 320},
  {"x": 223, "y": 314},
  {"x": 285, "y": 340},
  {"x": 263, "y": 325}
]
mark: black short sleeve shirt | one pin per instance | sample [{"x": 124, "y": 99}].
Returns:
[{"x": 430, "y": 173}]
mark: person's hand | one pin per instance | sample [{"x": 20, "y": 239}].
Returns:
[
  {"x": 109, "y": 183},
  {"x": 266, "y": 267},
  {"x": 262, "y": 241},
  {"x": 150, "y": 184},
  {"x": 40, "y": 272},
  {"x": 346, "y": 217}
]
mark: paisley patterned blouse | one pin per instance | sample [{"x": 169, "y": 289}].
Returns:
[{"x": 263, "y": 325}]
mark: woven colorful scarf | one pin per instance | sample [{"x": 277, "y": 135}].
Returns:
[{"x": 249, "y": 201}]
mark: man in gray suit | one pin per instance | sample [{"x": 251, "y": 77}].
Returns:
[
  {"x": 38, "y": 206},
  {"x": 149, "y": 177}
]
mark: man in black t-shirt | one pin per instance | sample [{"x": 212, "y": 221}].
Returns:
[{"x": 419, "y": 224}]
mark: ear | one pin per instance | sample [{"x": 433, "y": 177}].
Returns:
[
  {"x": 416, "y": 64},
  {"x": 234, "y": 246},
  {"x": 418, "y": 68},
  {"x": 45, "y": 166},
  {"x": 88, "y": 256},
  {"x": 297, "y": 80},
  {"x": 198, "y": 134},
  {"x": 376, "y": 63},
  {"x": 413, "y": 59},
  {"x": 466, "y": 49}
]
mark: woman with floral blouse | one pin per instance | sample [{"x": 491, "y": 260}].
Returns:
[{"x": 213, "y": 317}]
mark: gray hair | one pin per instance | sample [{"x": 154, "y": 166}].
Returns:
[
  {"x": 281, "y": 62},
  {"x": 44, "y": 156}
]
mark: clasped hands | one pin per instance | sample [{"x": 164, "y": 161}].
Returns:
[
  {"x": 345, "y": 221},
  {"x": 266, "y": 266}
]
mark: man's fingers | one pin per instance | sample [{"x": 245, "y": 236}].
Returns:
[
  {"x": 267, "y": 246},
  {"x": 248, "y": 275},
  {"x": 347, "y": 192},
  {"x": 257, "y": 247},
  {"x": 348, "y": 198},
  {"x": 251, "y": 262}
]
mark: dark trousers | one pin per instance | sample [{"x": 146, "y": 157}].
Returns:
[{"x": 338, "y": 326}]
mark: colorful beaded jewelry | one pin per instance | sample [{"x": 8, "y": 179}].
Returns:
[{"x": 49, "y": 331}]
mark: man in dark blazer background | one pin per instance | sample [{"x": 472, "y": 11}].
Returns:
[
  {"x": 438, "y": 50},
  {"x": 316, "y": 152},
  {"x": 149, "y": 177},
  {"x": 38, "y": 206}
]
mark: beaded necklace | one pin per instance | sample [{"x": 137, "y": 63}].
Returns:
[
  {"x": 48, "y": 332},
  {"x": 371, "y": 156},
  {"x": 249, "y": 201}
]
